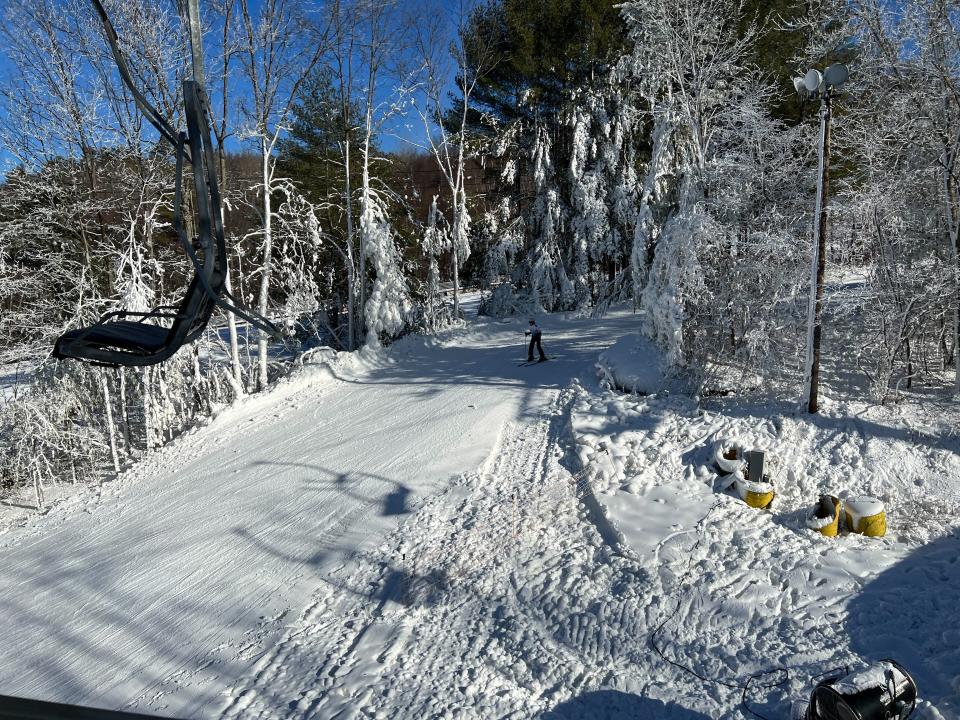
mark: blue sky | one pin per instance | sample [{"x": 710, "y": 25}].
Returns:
[{"x": 400, "y": 131}]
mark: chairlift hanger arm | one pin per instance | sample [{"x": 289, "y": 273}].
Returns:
[
  {"x": 196, "y": 109},
  {"x": 116, "y": 341},
  {"x": 151, "y": 113}
]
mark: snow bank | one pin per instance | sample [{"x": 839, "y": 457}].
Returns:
[
  {"x": 633, "y": 364},
  {"x": 758, "y": 589}
]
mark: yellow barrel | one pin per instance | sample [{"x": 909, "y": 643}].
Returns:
[
  {"x": 865, "y": 515},
  {"x": 756, "y": 494},
  {"x": 825, "y": 516}
]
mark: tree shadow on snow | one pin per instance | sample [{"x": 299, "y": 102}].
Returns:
[
  {"x": 772, "y": 410},
  {"x": 395, "y": 502},
  {"x": 909, "y": 613},
  {"x": 616, "y": 705}
]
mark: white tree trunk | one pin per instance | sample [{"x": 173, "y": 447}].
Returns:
[
  {"x": 234, "y": 345},
  {"x": 459, "y": 210},
  {"x": 105, "y": 388},
  {"x": 147, "y": 411},
  {"x": 365, "y": 199},
  {"x": 124, "y": 415},
  {"x": 456, "y": 277},
  {"x": 267, "y": 252},
  {"x": 351, "y": 280},
  {"x": 351, "y": 290},
  {"x": 38, "y": 486}
]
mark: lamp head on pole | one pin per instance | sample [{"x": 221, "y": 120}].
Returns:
[
  {"x": 813, "y": 80},
  {"x": 836, "y": 75},
  {"x": 814, "y": 83}
]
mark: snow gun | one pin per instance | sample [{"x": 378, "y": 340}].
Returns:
[{"x": 881, "y": 691}]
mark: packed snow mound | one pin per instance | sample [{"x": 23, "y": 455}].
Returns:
[
  {"x": 742, "y": 590},
  {"x": 633, "y": 364}
]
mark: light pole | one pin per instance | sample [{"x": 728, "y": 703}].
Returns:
[{"x": 814, "y": 84}]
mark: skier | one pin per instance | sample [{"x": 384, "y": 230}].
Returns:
[{"x": 534, "y": 333}]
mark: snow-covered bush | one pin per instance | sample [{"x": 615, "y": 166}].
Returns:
[
  {"x": 76, "y": 422},
  {"x": 899, "y": 214}
]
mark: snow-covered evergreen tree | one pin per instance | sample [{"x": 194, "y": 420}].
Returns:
[
  {"x": 388, "y": 304},
  {"x": 550, "y": 287},
  {"x": 436, "y": 240}
]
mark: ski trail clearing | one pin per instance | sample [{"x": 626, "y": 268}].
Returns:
[
  {"x": 499, "y": 599},
  {"x": 174, "y": 585}
]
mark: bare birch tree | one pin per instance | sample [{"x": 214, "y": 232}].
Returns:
[
  {"x": 279, "y": 51},
  {"x": 468, "y": 59}
]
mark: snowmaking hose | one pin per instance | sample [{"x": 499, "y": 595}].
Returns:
[{"x": 782, "y": 672}]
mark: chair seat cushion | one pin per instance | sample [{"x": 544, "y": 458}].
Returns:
[{"x": 122, "y": 334}]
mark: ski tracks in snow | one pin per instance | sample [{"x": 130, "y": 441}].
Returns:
[
  {"x": 499, "y": 598},
  {"x": 512, "y": 595}
]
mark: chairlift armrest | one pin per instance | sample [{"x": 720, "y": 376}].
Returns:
[{"x": 144, "y": 315}]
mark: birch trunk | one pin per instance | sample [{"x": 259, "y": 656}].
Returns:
[
  {"x": 365, "y": 195},
  {"x": 267, "y": 252},
  {"x": 147, "y": 411},
  {"x": 124, "y": 415},
  {"x": 111, "y": 433},
  {"x": 351, "y": 279},
  {"x": 228, "y": 283},
  {"x": 38, "y": 486}
]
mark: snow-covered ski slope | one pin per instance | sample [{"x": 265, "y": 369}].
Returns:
[
  {"x": 165, "y": 588},
  {"x": 413, "y": 535}
]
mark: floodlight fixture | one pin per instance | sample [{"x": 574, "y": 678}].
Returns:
[
  {"x": 812, "y": 80},
  {"x": 836, "y": 75}
]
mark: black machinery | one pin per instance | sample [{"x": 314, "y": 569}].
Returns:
[{"x": 881, "y": 691}]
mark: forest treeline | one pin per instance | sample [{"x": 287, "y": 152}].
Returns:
[{"x": 573, "y": 154}]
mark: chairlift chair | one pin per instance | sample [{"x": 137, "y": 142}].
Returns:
[{"x": 134, "y": 339}]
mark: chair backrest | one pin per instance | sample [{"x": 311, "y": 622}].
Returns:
[{"x": 211, "y": 272}]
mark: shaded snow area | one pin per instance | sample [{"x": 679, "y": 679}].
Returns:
[
  {"x": 440, "y": 531},
  {"x": 633, "y": 364}
]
